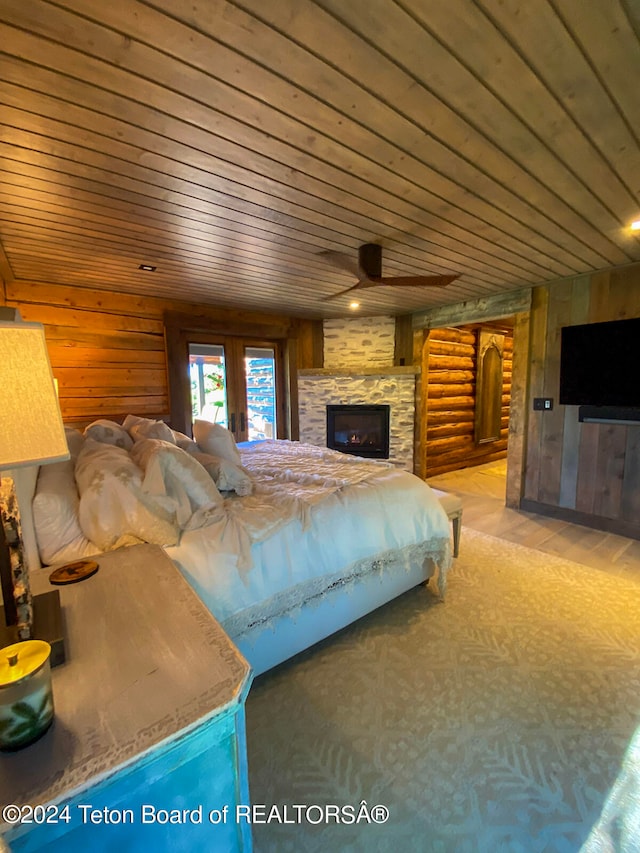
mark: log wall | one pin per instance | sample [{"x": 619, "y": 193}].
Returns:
[
  {"x": 451, "y": 399},
  {"x": 107, "y": 350}
]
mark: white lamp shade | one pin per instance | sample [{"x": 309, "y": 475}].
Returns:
[{"x": 31, "y": 428}]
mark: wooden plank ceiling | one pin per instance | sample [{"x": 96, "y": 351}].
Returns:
[{"x": 230, "y": 144}]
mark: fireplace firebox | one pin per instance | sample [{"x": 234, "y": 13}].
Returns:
[{"x": 359, "y": 430}]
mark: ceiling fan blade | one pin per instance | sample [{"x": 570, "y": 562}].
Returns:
[
  {"x": 418, "y": 280},
  {"x": 367, "y": 271},
  {"x": 342, "y": 292},
  {"x": 343, "y": 262}
]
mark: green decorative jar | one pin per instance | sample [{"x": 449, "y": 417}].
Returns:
[{"x": 26, "y": 698}]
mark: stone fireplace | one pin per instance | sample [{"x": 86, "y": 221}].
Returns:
[{"x": 359, "y": 371}]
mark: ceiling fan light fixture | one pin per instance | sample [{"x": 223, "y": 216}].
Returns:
[{"x": 370, "y": 259}]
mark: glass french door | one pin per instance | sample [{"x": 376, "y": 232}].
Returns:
[
  {"x": 236, "y": 383},
  {"x": 209, "y": 383}
]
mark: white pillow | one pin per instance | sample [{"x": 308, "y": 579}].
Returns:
[
  {"x": 24, "y": 481},
  {"x": 146, "y": 428},
  {"x": 75, "y": 440},
  {"x": 114, "y": 510},
  {"x": 55, "y": 515},
  {"x": 109, "y": 432},
  {"x": 131, "y": 420},
  {"x": 216, "y": 440},
  {"x": 227, "y": 476},
  {"x": 185, "y": 442},
  {"x": 176, "y": 478}
]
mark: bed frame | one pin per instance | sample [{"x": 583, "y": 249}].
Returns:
[{"x": 267, "y": 646}]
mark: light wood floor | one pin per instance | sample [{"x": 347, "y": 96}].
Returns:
[{"x": 482, "y": 490}]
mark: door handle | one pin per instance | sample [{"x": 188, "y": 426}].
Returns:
[
  {"x": 232, "y": 422},
  {"x": 242, "y": 422}
]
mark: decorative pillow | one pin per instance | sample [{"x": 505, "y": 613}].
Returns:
[
  {"x": 227, "y": 476},
  {"x": 175, "y": 477},
  {"x": 109, "y": 432},
  {"x": 216, "y": 440},
  {"x": 132, "y": 420},
  {"x": 55, "y": 513},
  {"x": 114, "y": 509},
  {"x": 146, "y": 428},
  {"x": 185, "y": 442}
]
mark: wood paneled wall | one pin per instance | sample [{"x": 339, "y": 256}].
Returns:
[
  {"x": 586, "y": 471},
  {"x": 451, "y": 400},
  {"x": 107, "y": 350}
]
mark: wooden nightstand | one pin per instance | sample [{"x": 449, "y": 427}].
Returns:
[{"x": 149, "y": 718}]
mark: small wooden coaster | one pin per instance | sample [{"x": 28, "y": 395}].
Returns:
[{"x": 73, "y": 572}]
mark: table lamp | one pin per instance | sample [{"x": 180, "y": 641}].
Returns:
[{"x": 31, "y": 433}]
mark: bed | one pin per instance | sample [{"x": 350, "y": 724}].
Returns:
[{"x": 284, "y": 542}]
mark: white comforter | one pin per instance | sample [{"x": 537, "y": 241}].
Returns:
[{"x": 316, "y": 517}]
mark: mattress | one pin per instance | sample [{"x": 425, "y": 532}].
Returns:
[{"x": 317, "y": 520}]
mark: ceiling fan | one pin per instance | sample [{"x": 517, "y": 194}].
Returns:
[{"x": 368, "y": 271}]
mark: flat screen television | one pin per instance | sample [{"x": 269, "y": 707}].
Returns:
[{"x": 600, "y": 364}]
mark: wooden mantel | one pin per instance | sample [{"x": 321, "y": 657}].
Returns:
[{"x": 411, "y": 370}]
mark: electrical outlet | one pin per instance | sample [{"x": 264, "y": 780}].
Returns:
[{"x": 542, "y": 404}]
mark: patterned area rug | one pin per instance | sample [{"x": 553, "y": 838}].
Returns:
[{"x": 495, "y": 721}]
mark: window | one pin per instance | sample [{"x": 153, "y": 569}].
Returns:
[
  {"x": 252, "y": 410},
  {"x": 208, "y": 375}
]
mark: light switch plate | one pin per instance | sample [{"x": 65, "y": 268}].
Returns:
[{"x": 542, "y": 404}]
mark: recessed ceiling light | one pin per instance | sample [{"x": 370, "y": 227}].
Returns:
[
  {"x": 635, "y": 226},
  {"x": 147, "y": 268},
  {"x": 353, "y": 305}
]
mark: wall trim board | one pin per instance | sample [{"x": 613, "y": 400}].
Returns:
[
  {"x": 201, "y": 322},
  {"x": 573, "y": 516},
  {"x": 6, "y": 273},
  {"x": 475, "y": 310},
  {"x": 316, "y": 345},
  {"x": 403, "y": 345},
  {"x": 518, "y": 410}
]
